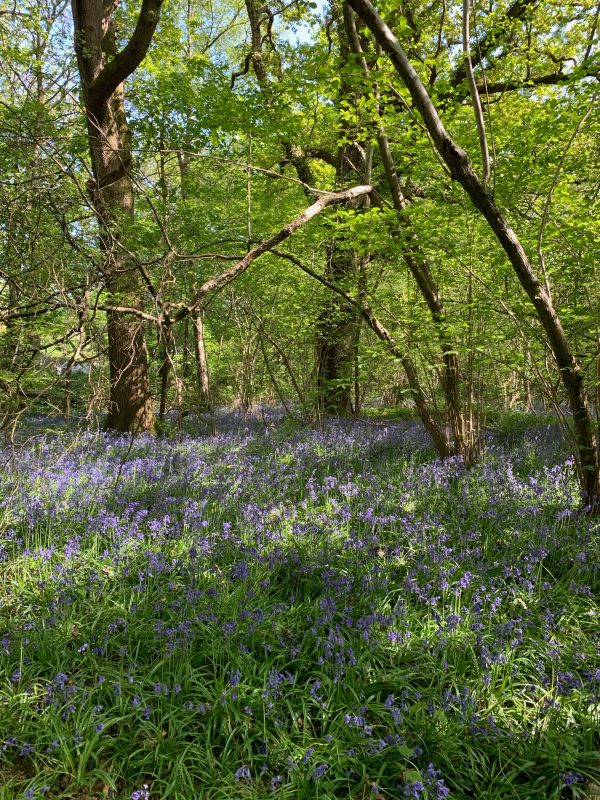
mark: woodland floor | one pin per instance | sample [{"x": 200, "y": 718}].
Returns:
[{"x": 281, "y": 612}]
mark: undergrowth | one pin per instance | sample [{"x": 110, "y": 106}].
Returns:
[{"x": 296, "y": 614}]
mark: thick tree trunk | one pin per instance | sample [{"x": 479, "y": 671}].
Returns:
[
  {"x": 335, "y": 340},
  {"x": 461, "y": 170},
  {"x": 102, "y": 71},
  {"x": 130, "y": 407},
  {"x": 130, "y": 404},
  {"x": 338, "y": 324}
]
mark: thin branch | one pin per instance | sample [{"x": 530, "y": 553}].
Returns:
[
  {"x": 475, "y": 99},
  {"x": 550, "y": 79}
]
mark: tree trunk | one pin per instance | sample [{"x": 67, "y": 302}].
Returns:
[
  {"x": 130, "y": 404},
  {"x": 102, "y": 71},
  {"x": 185, "y": 348},
  {"x": 204, "y": 394},
  {"x": 338, "y": 324},
  {"x": 130, "y": 407},
  {"x": 165, "y": 369},
  {"x": 67, "y": 391},
  {"x": 335, "y": 341}
]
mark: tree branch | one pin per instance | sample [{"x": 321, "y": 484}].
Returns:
[
  {"x": 219, "y": 281},
  {"x": 128, "y": 59},
  {"x": 551, "y": 79},
  {"x": 475, "y": 99}
]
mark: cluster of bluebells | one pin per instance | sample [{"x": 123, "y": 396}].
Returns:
[
  {"x": 430, "y": 785},
  {"x": 266, "y": 581}
]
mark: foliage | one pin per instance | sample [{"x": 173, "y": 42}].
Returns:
[{"x": 194, "y": 135}]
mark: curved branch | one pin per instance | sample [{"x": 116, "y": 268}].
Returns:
[
  {"x": 219, "y": 281},
  {"x": 128, "y": 59}
]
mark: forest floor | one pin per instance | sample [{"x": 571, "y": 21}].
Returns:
[{"x": 281, "y": 612}]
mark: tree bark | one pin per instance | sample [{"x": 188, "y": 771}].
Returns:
[
  {"x": 102, "y": 71},
  {"x": 165, "y": 368},
  {"x": 335, "y": 340},
  {"x": 205, "y": 400}
]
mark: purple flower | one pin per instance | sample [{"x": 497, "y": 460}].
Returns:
[
  {"x": 242, "y": 774},
  {"x": 276, "y": 782},
  {"x": 414, "y": 790},
  {"x": 465, "y": 580},
  {"x": 569, "y": 778}
]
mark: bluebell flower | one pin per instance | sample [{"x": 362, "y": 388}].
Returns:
[{"x": 243, "y": 774}]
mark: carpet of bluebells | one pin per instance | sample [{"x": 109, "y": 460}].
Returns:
[{"x": 289, "y": 613}]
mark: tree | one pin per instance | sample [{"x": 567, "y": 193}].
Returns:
[
  {"x": 103, "y": 69},
  {"x": 539, "y": 295}
]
